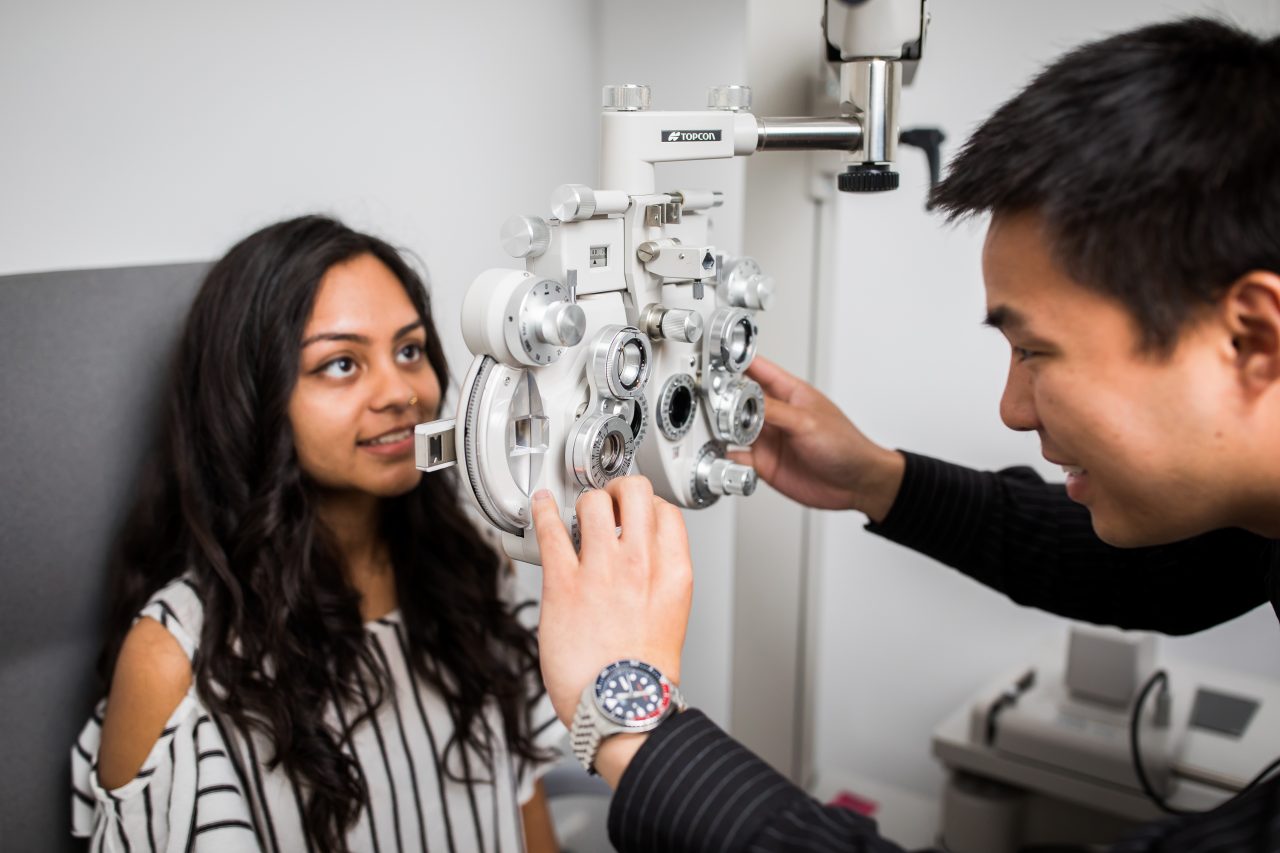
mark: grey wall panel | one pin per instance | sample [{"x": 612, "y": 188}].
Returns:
[{"x": 83, "y": 356}]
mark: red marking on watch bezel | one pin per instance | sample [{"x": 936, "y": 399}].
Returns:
[{"x": 663, "y": 704}]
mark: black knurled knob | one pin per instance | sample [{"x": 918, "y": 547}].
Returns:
[{"x": 867, "y": 179}]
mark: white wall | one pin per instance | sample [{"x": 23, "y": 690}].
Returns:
[
  {"x": 772, "y": 629},
  {"x": 139, "y": 132},
  {"x": 902, "y": 640}
]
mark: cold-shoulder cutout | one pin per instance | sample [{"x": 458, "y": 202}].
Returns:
[
  {"x": 152, "y": 676},
  {"x": 186, "y": 792}
]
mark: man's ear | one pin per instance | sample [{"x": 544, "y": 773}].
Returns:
[{"x": 1251, "y": 311}]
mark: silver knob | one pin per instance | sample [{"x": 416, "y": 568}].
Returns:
[
  {"x": 738, "y": 412},
  {"x": 732, "y": 339},
  {"x": 729, "y": 97},
  {"x": 625, "y": 97},
  {"x": 563, "y": 324},
  {"x": 729, "y": 478},
  {"x": 679, "y": 324},
  {"x": 525, "y": 236},
  {"x": 746, "y": 285},
  {"x": 755, "y": 292},
  {"x": 570, "y": 202},
  {"x": 673, "y": 324}
]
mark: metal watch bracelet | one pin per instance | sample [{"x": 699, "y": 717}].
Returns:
[{"x": 590, "y": 727}]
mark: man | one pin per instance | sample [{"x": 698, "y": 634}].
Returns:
[{"x": 1133, "y": 264}]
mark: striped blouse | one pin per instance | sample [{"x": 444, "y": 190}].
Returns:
[{"x": 206, "y": 785}]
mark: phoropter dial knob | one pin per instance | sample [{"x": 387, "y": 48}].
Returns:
[
  {"x": 732, "y": 339},
  {"x": 625, "y": 97},
  {"x": 730, "y": 98},
  {"x": 621, "y": 359},
  {"x": 600, "y": 448},
  {"x": 680, "y": 324},
  {"x": 519, "y": 319},
  {"x": 738, "y": 411},
  {"x": 729, "y": 478},
  {"x": 671, "y": 324},
  {"x": 525, "y": 236},
  {"x": 747, "y": 286},
  {"x": 571, "y": 202},
  {"x": 562, "y": 324},
  {"x": 713, "y": 476}
]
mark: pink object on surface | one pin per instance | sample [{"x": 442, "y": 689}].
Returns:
[{"x": 854, "y": 803}]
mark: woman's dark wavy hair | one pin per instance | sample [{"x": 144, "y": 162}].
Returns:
[{"x": 225, "y": 500}]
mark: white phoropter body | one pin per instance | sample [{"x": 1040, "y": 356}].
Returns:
[{"x": 620, "y": 346}]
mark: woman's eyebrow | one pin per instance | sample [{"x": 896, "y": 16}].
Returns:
[
  {"x": 400, "y": 333},
  {"x": 336, "y": 336},
  {"x": 355, "y": 338}
]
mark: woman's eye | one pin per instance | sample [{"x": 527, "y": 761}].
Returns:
[
  {"x": 409, "y": 353},
  {"x": 340, "y": 367},
  {"x": 1022, "y": 354}
]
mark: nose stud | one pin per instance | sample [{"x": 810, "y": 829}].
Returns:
[{"x": 413, "y": 401}]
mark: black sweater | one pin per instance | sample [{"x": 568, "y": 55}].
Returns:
[{"x": 691, "y": 787}]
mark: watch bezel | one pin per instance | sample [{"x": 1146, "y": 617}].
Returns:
[{"x": 640, "y": 723}]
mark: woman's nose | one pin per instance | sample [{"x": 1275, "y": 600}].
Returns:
[{"x": 392, "y": 390}]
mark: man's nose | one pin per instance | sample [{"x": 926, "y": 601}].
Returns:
[{"x": 1017, "y": 404}]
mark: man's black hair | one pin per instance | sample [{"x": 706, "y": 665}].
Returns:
[{"x": 1153, "y": 158}]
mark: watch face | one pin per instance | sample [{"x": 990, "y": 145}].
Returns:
[{"x": 632, "y": 693}]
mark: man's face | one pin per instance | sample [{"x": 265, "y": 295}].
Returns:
[{"x": 1144, "y": 437}]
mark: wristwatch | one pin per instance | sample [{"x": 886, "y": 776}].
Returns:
[{"x": 628, "y": 696}]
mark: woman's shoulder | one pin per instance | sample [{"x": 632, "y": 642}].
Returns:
[
  {"x": 179, "y": 609},
  {"x": 152, "y": 676}
]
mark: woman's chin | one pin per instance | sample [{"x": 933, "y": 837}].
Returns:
[{"x": 399, "y": 485}]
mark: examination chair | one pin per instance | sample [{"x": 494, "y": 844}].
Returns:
[{"x": 82, "y": 358}]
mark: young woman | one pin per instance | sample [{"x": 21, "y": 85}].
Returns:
[{"x": 310, "y": 645}]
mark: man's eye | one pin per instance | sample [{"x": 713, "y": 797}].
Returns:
[
  {"x": 1022, "y": 354},
  {"x": 340, "y": 367},
  {"x": 409, "y": 353}
]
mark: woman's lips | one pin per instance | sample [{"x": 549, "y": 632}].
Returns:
[{"x": 394, "y": 443}]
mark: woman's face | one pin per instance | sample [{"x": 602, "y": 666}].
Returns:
[{"x": 363, "y": 382}]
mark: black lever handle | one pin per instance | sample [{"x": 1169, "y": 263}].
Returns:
[{"x": 928, "y": 139}]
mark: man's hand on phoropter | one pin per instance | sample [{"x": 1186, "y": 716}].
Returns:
[
  {"x": 621, "y": 596},
  {"x": 812, "y": 453}
]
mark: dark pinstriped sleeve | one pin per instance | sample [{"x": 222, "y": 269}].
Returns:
[
  {"x": 1024, "y": 537},
  {"x": 691, "y": 787}
]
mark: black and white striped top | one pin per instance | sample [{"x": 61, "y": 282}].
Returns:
[
  {"x": 691, "y": 787},
  {"x": 205, "y": 786}
]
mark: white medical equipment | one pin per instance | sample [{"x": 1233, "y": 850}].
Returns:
[
  {"x": 621, "y": 343},
  {"x": 1047, "y": 754}
]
